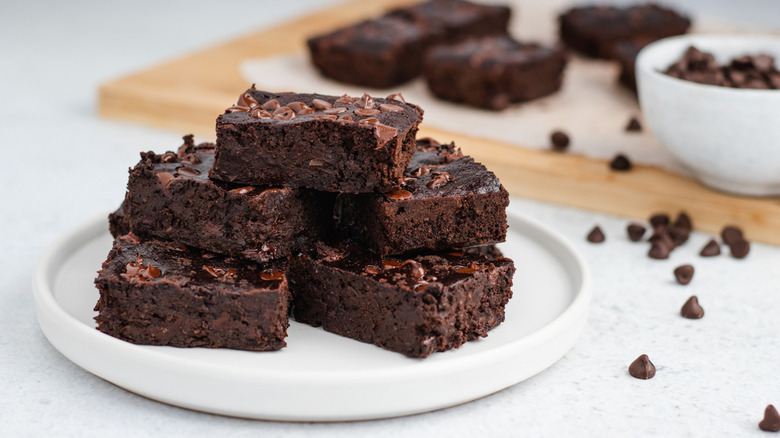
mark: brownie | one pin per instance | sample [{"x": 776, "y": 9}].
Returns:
[
  {"x": 163, "y": 293},
  {"x": 448, "y": 201},
  {"x": 415, "y": 306},
  {"x": 117, "y": 222},
  {"x": 493, "y": 72},
  {"x": 328, "y": 143},
  {"x": 451, "y": 21},
  {"x": 169, "y": 196},
  {"x": 625, "y": 53},
  {"x": 593, "y": 30},
  {"x": 377, "y": 53}
]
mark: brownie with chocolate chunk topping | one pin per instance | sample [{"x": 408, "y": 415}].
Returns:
[
  {"x": 593, "y": 30},
  {"x": 494, "y": 72},
  {"x": 451, "y": 21},
  {"x": 327, "y": 143},
  {"x": 378, "y": 53},
  {"x": 163, "y": 293},
  {"x": 414, "y": 305},
  {"x": 448, "y": 201},
  {"x": 169, "y": 196}
]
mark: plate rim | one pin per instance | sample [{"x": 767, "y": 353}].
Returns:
[{"x": 51, "y": 313}]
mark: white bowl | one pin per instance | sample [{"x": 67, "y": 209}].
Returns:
[{"x": 729, "y": 138}]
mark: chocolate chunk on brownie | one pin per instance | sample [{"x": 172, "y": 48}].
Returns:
[
  {"x": 163, "y": 293},
  {"x": 447, "y": 201},
  {"x": 328, "y": 143},
  {"x": 169, "y": 196},
  {"x": 415, "y": 306},
  {"x": 450, "y": 21},
  {"x": 377, "y": 53},
  {"x": 594, "y": 30},
  {"x": 117, "y": 222},
  {"x": 493, "y": 72}
]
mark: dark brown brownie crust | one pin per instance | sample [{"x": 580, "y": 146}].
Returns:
[
  {"x": 448, "y": 201},
  {"x": 593, "y": 30},
  {"x": 376, "y": 53},
  {"x": 494, "y": 72},
  {"x": 163, "y": 293},
  {"x": 169, "y": 196},
  {"x": 327, "y": 143},
  {"x": 415, "y": 306},
  {"x": 451, "y": 21}
]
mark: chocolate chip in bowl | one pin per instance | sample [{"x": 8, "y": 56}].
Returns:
[{"x": 727, "y": 137}]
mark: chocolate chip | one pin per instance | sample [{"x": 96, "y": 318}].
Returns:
[
  {"x": 684, "y": 274},
  {"x": 247, "y": 100},
  {"x": 399, "y": 195},
  {"x": 711, "y": 249},
  {"x": 271, "y": 105},
  {"x": 371, "y": 269},
  {"x": 596, "y": 235},
  {"x": 465, "y": 270},
  {"x": 415, "y": 268},
  {"x": 190, "y": 159},
  {"x": 398, "y": 97},
  {"x": 659, "y": 219},
  {"x": 221, "y": 273},
  {"x": 335, "y": 110},
  {"x": 691, "y": 309},
  {"x": 678, "y": 235},
  {"x": 367, "y": 112},
  {"x": 165, "y": 179},
  {"x": 633, "y": 125},
  {"x": 384, "y": 134},
  {"x": 661, "y": 236},
  {"x": 271, "y": 275},
  {"x": 238, "y": 109},
  {"x": 390, "y": 264},
  {"x": 439, "y": 179},
  {"x": 683, "y": 221},
  {"x": 260, "y": 113},
  {"x": 346, "y": 118},
  {"x": 731, "y": 234},
  {"x": 740, "y": 249},
  {"x": 642, "y": 368},
  {"x": 300, "y": 108},
  {"x": 389, "y": 107},
  {"x": 424, "y": 170},
  {"x": 189, "y": 171},
  {"x": 283, "y": 113},
  {"x": 168, "y": 157},
  {"x": 316, "y": 163},
  {"x": 325, "y": 117},
  {"x": 366, "y": 102},
  {"x": 635, "y": 232},
  {"x": 658, "y": 251},
  {"x": 242, "y": 190},
  {"x": 620, "y": 163},
  {"x": 321, "y": 104},
  {"x": 771, "y": 421},
  {"x": 560, "y": 141}
]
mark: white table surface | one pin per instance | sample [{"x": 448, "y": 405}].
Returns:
[{"x": 62, "y": 164}]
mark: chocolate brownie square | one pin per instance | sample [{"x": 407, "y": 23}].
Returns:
[
  {"x": 494, "y": 72},
  {"x": 169, "y": 196},
  {"x": 448, "y": 201},
  {"x": 450, "y": 21},
  {"x": 117, "y": 222},
  {"x": 415, "y": 306},
  {"x": 593, "y": 30},
  {"x": 163, "y": 293},
  {"x": 625, "y": 53},
  {"x": 377, "y": 53},
  {"x": 327, "y": 143}
]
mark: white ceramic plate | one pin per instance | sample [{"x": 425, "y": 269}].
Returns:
[{"x": 321, "y": 376}]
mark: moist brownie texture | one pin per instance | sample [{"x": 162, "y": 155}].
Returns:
[
  {"x": 593, "y": 30},
  {"x": 163, "y": 293},
  {"x": 117, "y": 222},
  {"x": 447, "y": 201},
  {"x": 415, "y": 306},
  {"x": 450, "y": 21},
  {"x": 377, "y": 53},
  {"x": 494, "y": 72},
  {"x": 328, "y": 143},
  {"x": 169, "y": 196}
]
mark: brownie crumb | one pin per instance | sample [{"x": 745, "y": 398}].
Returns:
[
  {"x": 560, "y": 141},
  {"x": 771, "y": 421},
  {"x": 642, "y": 368},
  {"x": 684, "y": 274},
  {"x": 635, "y": 232},
  {"x": 633, "y": 125},
  {"x": 620, "y": 163},
  {"x": 711, "y": 249},
  {"x": 691, "y": 309},
  {"x": 596, "y": 235}
]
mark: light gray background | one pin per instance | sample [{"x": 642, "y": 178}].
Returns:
[{"x": 61, "y": 165}]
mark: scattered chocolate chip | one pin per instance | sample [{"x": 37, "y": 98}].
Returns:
[
  {"x": 371, "y": 269},
  {"x": 415, "y": 268},
  {"x": 683, "y": 221},
  {"x": 740, "y": 249},
  {"x": 316, "y": 163},
  {"x": 389, "y": 107},
  {"x": 620, "y": 163},
  {"x": 711, "y": 249},
  {"x": 691, "y": 309},
  {"x": 260, "y": 113},
  {"x": 300, "y": 108},
  {"x": 283, "y": 113},
  {"x": 238, "y": 109},
  {"x": 384, "y": 134},
  {"x": 325, "y": 117},
  {"x": 399, "y": 195},
  {"x": 596, "y": 235},
  {"x": 367, "y": 112},
  {"x": 731, "y": 234},
  {"x": 168, "y": 157},
  {"x": 321, "y": 104},
  {"x": 346, "y": 118},
  {"x": 742, "y": 72},
  {"x": 683, "y": 274},
  {"x": 190, "y": 159},
  {"x": 635, "y": 232},
  {"x": 346, "y": 99},
  {"x": 367, "y": 102},
  {"x": 439, "y": 179},
  {"x": 560, "y": 141},
  {"x": 633, "y": 125},
  {"x": 271, "y": 105},
  {"x": 771, "y": 421},
  {"x": 242, "y": 190},
  {"x": 390, "y": 264},
  {"x": 247, "y": 100},
  {"x": 659, "y": 219},
  {"x": 658, "y": 251},
  {"x": 465, "y": 270},
  {"x": 642, "y": 368},
  {"x": 398, "y": 97},
  {"x": 335, "y": 110},
  {"x": 165, "y": 179},
  {"x": 189, "y": 171},
  {"x": 678, "y": 235},
  {"x": 219, "y": 272},
  {"x": 271, "y": 275}
]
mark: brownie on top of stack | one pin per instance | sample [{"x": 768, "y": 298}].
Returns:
[{"x": 323, "y": 207}]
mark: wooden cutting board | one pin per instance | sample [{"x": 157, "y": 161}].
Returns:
[{"x": 188, "y": 93}]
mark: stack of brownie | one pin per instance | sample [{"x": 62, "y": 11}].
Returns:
[{"x": 321, "y": 207}]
